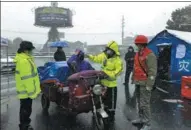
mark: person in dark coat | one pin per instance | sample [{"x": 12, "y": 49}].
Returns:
[
  {"x": 129, "y": 59},
  {"x": 59, "y": 55}
]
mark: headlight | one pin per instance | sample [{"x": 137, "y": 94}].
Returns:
[{"x": 97, "y": 89}]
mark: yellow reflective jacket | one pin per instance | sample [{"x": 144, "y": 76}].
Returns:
[
  {"x": 112, "y": 66},
  {"x": 26, "y": 76}
]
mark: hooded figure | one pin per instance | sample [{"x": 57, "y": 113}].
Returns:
[
  {"x": 59, "y": 55},
  {"x": 77, "y": 62},
  {"x": 129, "y": 59},
  {"x": 111, "y": 66}
]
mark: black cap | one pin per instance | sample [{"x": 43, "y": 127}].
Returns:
[{"x": 26, "y": 45}]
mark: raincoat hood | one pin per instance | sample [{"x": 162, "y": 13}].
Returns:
[{"x": 114, "y": 46}]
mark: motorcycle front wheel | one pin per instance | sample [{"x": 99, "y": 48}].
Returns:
[{"x": 100, "y": 122}]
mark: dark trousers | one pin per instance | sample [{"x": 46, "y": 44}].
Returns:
[
  {"x": 143, "y": 100},
  {"x": 111, "y": 100},
  {"x": 127, "y": 74},
  {"x": 25, "y": 112}
]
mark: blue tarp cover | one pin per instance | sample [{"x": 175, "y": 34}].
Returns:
[{"x": 54, "y": 70}]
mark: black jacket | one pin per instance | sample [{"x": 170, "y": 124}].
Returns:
[
  {"x": 129, "y": 58},
  {"x": 59, "y": 55}
]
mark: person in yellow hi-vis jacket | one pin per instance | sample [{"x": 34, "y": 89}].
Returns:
[
  {"x": 112, "y": 66},
  {"x": 27, "y": 82}
]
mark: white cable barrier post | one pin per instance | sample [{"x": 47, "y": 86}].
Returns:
[
  {"x": 4, "y": 43},
  {"x": 8, "y": 76}
]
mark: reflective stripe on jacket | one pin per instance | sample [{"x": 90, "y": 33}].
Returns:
[{"x": 26, "y": 76}]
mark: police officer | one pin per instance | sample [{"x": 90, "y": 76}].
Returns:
[
  {"x": 144, "y": 74},
  {"x": 27, "y": 82},
  {"x": 112, "y": 66}
]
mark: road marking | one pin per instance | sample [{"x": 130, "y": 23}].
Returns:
[{"x": 6, "y": 83}]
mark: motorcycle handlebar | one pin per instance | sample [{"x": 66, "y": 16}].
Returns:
[{"x": 100, "y": 76}]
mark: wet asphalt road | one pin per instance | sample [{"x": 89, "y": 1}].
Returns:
[{"x": 165, "y": 115}]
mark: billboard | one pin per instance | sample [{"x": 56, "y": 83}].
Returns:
[{"x": 53, "y": 16}]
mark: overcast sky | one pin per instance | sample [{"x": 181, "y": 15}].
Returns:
[{"x": 140, "y": 18}]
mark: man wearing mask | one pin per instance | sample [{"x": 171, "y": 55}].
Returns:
[
  {"x": 144, "y": 74},
  {"x": 27, "y": 82},
  {"x": 59, "y": 55},
  {"x": 129, "y": 59},
  {"x": 112, "y": 66}
]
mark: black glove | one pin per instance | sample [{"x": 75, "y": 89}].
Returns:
[
  {"x": 103, "y": 75},
  {"x": 73, "y": 65}
]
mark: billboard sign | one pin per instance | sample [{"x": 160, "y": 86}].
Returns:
[{"x": 53, "y": 16}]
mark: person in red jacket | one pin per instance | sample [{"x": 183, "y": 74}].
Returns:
[{"x": 144, "y": 74}]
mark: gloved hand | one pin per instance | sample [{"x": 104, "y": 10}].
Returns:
[
  {"x": 149, "y": 88},
  {"x": 103, "y": 75},
  {"x": 73, "y": 65},
  {"x": 132, "y": 82}
]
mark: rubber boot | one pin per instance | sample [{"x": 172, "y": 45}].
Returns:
[
  {"x": 138, "y": 121},
  {"x": 26, "y": 127},
  {"x": 146, "y": 127}
]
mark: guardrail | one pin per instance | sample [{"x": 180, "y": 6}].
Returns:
[
  {"x": 40, "y": 53},
  {"x": 41, "y": 56}
]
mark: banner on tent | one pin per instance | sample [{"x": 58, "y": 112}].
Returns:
[{"x": 184, "y": 65}]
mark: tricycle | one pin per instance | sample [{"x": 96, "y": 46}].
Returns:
[{"x": 81, "y": 93}]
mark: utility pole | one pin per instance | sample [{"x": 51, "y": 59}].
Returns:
[
  {"x": 54, "y": 4},
  {"x": 122, "y": 29}
]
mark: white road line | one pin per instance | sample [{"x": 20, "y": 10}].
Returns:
[{"x": 6, "y": 83}]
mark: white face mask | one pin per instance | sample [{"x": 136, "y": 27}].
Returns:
[
  {"x": 130, "y": 50},
  {"x": 109, "y": 52}
]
